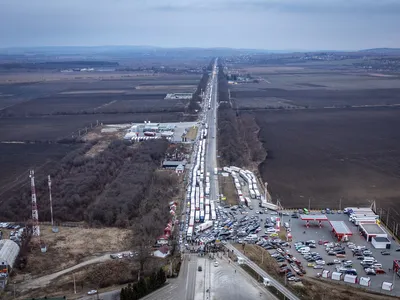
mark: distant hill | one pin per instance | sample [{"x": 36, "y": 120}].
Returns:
[{"x": 382, "y": 50}]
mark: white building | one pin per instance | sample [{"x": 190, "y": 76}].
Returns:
[{"x": 9, "y": 251}]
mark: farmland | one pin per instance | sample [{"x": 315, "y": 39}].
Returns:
[
  {"x": 326, "y": 155},
  {"x": 329, "y": 132}
]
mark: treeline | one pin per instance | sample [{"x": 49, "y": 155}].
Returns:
[
  {"x": 193, "y": 104},
  {"x": 106, "y": 189},
  {"x": 144, "y": 286},
  {"x": 51, "y": 65}
]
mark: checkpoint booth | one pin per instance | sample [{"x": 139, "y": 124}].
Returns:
[
  {"x": 340, "y": 230},
  {"x": 314, "y": 218}
]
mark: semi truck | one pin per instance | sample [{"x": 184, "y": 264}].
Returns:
[{"x": 204, "y": 226}]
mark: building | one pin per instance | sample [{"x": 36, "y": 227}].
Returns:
[
  {"x": 172, "y": 164},
  {"x": 340, "y": 230},
  {"x": 184, "y": 96},
  {"x": 372, "y": 230},
  {"x": 162, "y": 240},
  {"x": 380, "y": 242},
  {"x": 9, "y": 251},
  {"x": 162, "y": 252},
  {"x": 180, "y": 169}
]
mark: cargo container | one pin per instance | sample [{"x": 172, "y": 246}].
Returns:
[
  {"x": 350, "y": 278},
  {"x": 387, "y": 286},
  {"x": 365, "y": 281},
  {"x": 337, "y": 276}
]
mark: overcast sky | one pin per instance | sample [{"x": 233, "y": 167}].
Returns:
[{"x": 264, "y": 24}]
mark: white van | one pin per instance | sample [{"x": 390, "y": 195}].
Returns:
[
  {"x": 286, "y": 224},
  {"x": 302, "y": 249}
]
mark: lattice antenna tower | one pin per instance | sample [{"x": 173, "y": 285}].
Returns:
[{"x": 35, "y": 213}]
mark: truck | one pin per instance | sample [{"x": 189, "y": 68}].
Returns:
[
  {"x": 215, "y": 171},
  {"x": 269, "y": 205},
  {"x": 149, "y": 133},
  {"x": 356, "y": 210},
  {"x": 204, "y": 226}
]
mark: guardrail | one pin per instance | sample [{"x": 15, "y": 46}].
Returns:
[{"x": 288, "y": 294}]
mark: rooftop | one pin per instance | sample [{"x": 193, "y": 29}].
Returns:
[
  {"x": 372, "y": 228},
  {"x": 340, "y": 227},
  {"x": 381, "y": 239},
  {"x": 9, "y": 251},
  {"x": 173, "y": 163},
  {"x": 313, "y": 218}
]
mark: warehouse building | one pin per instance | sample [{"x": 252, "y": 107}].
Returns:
[{"x": 9, "y": 251}]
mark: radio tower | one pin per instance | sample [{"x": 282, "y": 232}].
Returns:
[
  {"x": 35, "y": 214},
  {"x": 51, "y": 201}
]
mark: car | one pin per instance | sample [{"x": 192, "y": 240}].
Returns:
[
  {"x": 369, "y": 271},
  {"x": 320, "y": 262},
  {"x": 398, "y": 250},
  {"x": 318, "y": 267},
  {"x": 199, "y": 268},
  {"x": 331, "y": 263},
  {"x": 216, "y": 264},
  {"x": 92, "y": 292},
  {"x": 384, "y": 252},
  {"x": 379, "y": 271}
]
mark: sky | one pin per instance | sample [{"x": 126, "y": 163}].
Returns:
[{"x": 255, "y": 24}]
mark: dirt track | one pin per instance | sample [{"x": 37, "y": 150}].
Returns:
[{"x": 45, "y": 280}]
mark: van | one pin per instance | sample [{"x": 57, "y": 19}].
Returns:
[
  {"x": 304, "y": 249},
  {"x": 286, "y": 224}
]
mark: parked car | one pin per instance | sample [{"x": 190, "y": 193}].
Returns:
[
  {"x": 385, "y": 252},
  {"x": 92, "y": 292}
]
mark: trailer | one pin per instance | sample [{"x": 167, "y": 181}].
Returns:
[
  {"x": 269, "y": 205},
  {"x": 204, "y": 226},
  {"x": 356, "y": 210},
  {"x": 197, "y": 216},
  {"x": 189, "y": 233},
  {"x": 252, "y": 194},
  {"x": 202, "y": 214}
]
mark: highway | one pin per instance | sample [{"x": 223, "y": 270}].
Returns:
[
  {"x": 211, "y": 119},
  {"x": 288, "y": 294}
]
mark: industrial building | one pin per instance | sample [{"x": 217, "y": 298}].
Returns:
[{"x": 183, "y": 96}]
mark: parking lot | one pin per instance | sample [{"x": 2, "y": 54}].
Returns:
[{"x": 301, "y": 233}]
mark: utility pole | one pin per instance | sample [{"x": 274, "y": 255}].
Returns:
[
  {"x": 309, "y": 204},
  {"x": 51, "y": 201},
  {"x": 340, "y": 203},
  {"x": 73, "y": 275},
  {"x": 387, "y": 218}
]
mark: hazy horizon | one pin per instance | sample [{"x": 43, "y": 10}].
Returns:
[{"x": 275, "y": 25}]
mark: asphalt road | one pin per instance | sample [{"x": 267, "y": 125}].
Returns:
[
  {"x": 262, "y": 273},
  {"x": 211, "y": 151},
  {"x": 182, "y": 287}
]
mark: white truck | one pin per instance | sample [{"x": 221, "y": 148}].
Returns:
[{"x": 204, "y": 226}]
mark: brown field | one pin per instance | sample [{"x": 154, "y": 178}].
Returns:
[
  {"x": 71, "y": 246},
  {"x": 331, "y": 154}
]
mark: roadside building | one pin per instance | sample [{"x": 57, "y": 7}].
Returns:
[
  {"x": 370, "y": 231},
  {"x": 162, "y": 240},
  {"x": 180, "y": 169},
  {"x": 381, "y": 242},
  {"x": 172, "y": 164},
  {"x": 340, "y": 230},
  {"x": 162, "y": 252}
]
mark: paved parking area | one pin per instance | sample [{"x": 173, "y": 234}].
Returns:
[{"x": 315, "y": 233}]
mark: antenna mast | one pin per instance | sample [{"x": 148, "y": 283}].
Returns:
[
  {"x": 51, "y": 201},
  {"x": 35, "y": 214}
]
